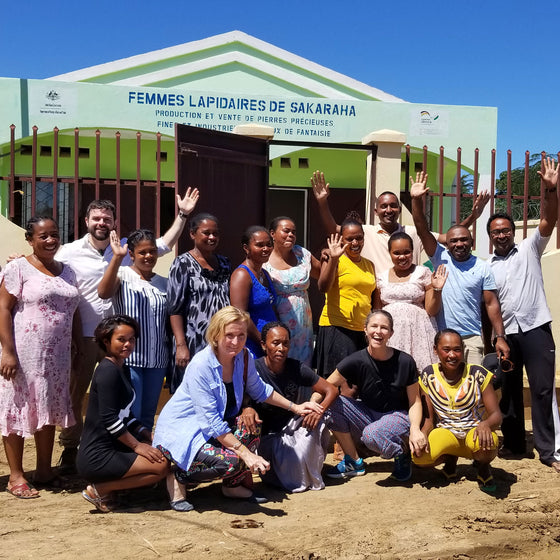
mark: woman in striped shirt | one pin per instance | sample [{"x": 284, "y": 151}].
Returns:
[{"x": 142, "y": 294}]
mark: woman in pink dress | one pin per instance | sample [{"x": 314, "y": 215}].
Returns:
[
  {"x": 412, "y": 295},
  {"x": 38, "y": 301}
]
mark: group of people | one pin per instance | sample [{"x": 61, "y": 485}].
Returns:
[{"x": 395, "y": 370}]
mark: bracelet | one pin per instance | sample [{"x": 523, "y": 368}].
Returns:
[
  {"x": 290, "y": 407},
  {"x": 182, "y": 215},
  {"x": 237, "y": 446},
  {"x": 437, "y": 289},
  {"x": 177, "y": 344}
]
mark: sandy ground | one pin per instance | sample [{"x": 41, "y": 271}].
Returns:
[{"x": 368, "y": 517}]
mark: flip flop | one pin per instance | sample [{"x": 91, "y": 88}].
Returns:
[
  {"x": 20, "y": 490},
  {"x": 486, "y": 484}
]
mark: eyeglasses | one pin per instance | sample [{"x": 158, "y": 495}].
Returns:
[{"x": 503, "y": 231}]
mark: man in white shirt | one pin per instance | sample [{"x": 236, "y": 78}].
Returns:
[
  {"x": 388, "y": 211},
  {"x": 518, "y": 273},
  {"x": 89, "y": 256}
]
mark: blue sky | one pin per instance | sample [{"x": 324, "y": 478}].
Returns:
[{"x": 501, "y": 54}]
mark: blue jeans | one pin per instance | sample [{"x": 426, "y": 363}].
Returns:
[{"x": 147, "y": 383}]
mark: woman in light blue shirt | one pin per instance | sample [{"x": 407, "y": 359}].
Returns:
[{"x": 196, "y": 429}]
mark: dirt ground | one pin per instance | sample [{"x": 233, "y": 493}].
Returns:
[{"x": 368, "y": 517}]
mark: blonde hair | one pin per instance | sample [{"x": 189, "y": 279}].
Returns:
[{"x": 220, "y": 320}]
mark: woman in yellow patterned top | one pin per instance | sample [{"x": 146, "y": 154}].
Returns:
[
  {"x": 348, "y": 282},
  {"x": 463, "y": 407}
]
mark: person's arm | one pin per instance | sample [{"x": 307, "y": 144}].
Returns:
[
  {"x": 321, "y": 191},
  {"x": 483, "y": 431},
  {"x": 276, "y": 399},
  {"x": 9, "y": 361},
  {"x": 327, "y": 393},
  {"x": 186, "y": 206},
  {"x": 315, "y": 268},
  {"x": 479, "y": 204},
  {"x": 255, "y": 463},
  {"x": 417, "y": 440},
  {"x": 329, "y": 267},
  {"x": 418, "y": 192},
  {"x": 432, "y": 301},
  {"x": 110, "y": 282},
  {"x": 240, "y": 286},
  {"x": 549, "y": 210},
  {"x": 495, "y": 315}
]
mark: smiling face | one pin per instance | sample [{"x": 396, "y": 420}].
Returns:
[
  {"x": 502, "y": 236},
  {"x": 276, "y": 347},
  {"x": 353, "y": 235},
  {"x": 459, "y": 243},
  {"x": 378, "y": 330},
  {"x": 206, "y": 237},
  {"x": 100, "y": 223},
  {"x": 388, "y": 211},
  {"x": 284, "y": 235},
  {"x": 121, "y": 344},
  {"x": 45, "y": 240},
  {"x": 401, "y": 254},
  {"x": 232, "y": 341},
  {"x": 259, "y": 247},
  {"x": 449, "y": 350},
  {"x": 144, "y": 256}
]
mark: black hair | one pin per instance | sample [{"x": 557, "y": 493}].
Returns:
[
  {"x": 385, "y": 193},
  {"x": 439, "y": 334},
  {"x": 500, "y": 215},
  {"x": 104, "y": 331},
  {"x": 400, "y": 235},
  {"x": 274, "y": 224},
  {"x": 351, "y": 221},
  {"x": 30, "y": 226},
  {"x": 250, "y": 231},
  {"x": 138, "y": 235},
  {"x": 195, "y": 221},
  {"x": 273, "y": 325},
  {"x": 380, "y": 312},
  {"x": 101, "y": 205}
]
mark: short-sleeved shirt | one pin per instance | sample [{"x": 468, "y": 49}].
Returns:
[
  {"x": 348, "y": 301},
  {"x": 381, "y": 383},
  {"x": 521, "y": 286},
  {"x": 462, "y": 293},
  {"x": 376, "y": 247},
  {"x": 288, "y": 384},
  {"x": 458, "y": 407}
]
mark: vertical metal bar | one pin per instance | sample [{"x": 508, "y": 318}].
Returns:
[
  {"x": 526, "y": 194},
  {"x": 558, "y": 218},
  {"x": 475, "y": 192},
  {"x": 440, "y": 172},
  {"x": 76, "y": 182},
  {"x": 407, "y": 168},
  {"x": 158, "y": 184},
  {"x": 492, "y": 191},
  {"x": 508, "y": 184},
  {"x": 118, "y": 178},
  {"x": 425, "y": 158},
  {"x": 12, "y": 170},
  {"x": 34, "y": 172},
  {"x": 55, "y": 173},
  {"x": 458, "y": 190},
  {"x": 138, "y": 173},
  {"x": 97, "y": 161}
]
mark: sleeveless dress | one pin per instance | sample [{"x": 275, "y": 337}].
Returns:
[
  {"x": 414, "y": 329},
  {"x": 260, "y": 308},
  {"x": 39, "y": 394},
  {"x": 292, "y": 303}
]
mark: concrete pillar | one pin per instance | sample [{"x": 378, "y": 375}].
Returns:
[
  {"x": 255, "y": 130},
  {"x": 386, "y": 174}
]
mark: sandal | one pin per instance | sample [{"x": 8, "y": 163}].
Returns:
[
  {"x": 181, "y": 505},
  {"x": 101, "y": 503},
  {"x": 23, "y": 491}
]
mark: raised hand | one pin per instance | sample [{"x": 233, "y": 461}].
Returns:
[
  {"x": 118, "y": 250},
  {"x": 188, "y": 202},
  {"x": 549, "y": 173},
  {"x": 321, "y": 188},
  {"x": 480, "y": 203},
  {"x": 418, "y": 188},
  {"x": 439, "y": 277},
  {"x": 336, "y": 245}
]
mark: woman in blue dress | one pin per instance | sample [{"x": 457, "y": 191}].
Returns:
[{"x": 251, "y": 288}]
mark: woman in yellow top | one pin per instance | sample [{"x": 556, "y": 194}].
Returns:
[
  {"x": 348, "y": 282},
  {"x": 463, "y": 407}
]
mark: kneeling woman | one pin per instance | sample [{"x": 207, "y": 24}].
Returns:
[
  {"x": 196, "y": 429},
  {"x": 387, "y": 384},
  {"x": 294, "y": 446},
  {"x": 115, "y": 450},
  {"x": 458, "y": 395}
]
